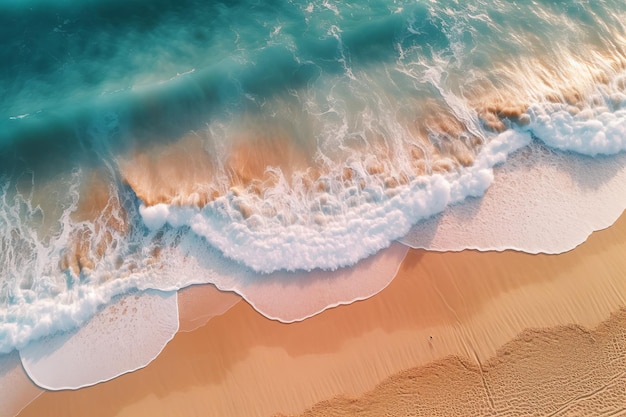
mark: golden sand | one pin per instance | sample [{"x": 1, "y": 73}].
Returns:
[
  {"x": 561, "y": 371},
  {"x": 16, "y": 389},
  {"x": 456, "y": 320}
]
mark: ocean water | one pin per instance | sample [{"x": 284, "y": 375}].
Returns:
[{"x": 151, "y": 145}]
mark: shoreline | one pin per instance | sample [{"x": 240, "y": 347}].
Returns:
[{"x": 471, "y": 304}]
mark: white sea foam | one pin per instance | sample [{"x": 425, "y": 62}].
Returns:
[
  {"x": 591, "y": 131},
  {"x": 35, "y": 316},
  {"x": 267, "y": 244},
  {"x": 544, "y": 200},
  {"x": 283, "y": 296},
  {"x": 290, "y": 297},
  {"x": 349, "y": 233},
  {"x": 123, "y": 337}
]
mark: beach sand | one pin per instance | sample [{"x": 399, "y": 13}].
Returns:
[
  {"x": 464, "y": 333},
  {"x": 16, "y": 389},
  {"x": 200, "y": 303},
  {"x": 561, "y": 371}
]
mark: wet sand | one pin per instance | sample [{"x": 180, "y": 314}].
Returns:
[
  {"x": 16, "y": 389},
  {"x": 451, "y": 332},
  {"x": 200, "y": 303}
]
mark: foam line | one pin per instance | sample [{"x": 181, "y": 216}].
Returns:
[
  {"x": 123, "y": 337},
  {"x": 282, "y": 296},
  {"x": 287, "y": 298},
  {"x": 591, "y": 131},
  {"x": 542, "y": 201},
  {"x": 374, "y": 224}
]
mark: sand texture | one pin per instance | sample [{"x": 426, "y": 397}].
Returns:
[
  {"x": 16, "y": 389},
  {"x": 470, "y": 333},
  {"x": 562, "y": 371}
]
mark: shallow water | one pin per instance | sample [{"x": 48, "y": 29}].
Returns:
[{"x": 154, "y": 145}]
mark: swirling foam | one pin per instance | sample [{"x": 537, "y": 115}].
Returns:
[
  {"x": 543, "y": 199},
  {"x": 268, "y": 245}
]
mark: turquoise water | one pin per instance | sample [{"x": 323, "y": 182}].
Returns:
[
  {"x": 372, "y": 116},
  {"x": 66, "y": 63}
]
